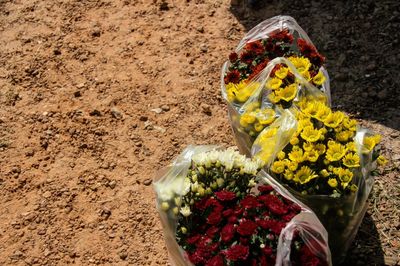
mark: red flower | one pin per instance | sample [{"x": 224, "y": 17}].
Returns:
[
  {"x": 193, "y": 239},
  {"x": 283, "y": 36},
  {"x": 215, "y": 217},
  {"x": 227, "y": 212},
  {"x": 232, "y": 77},
  {"x": 196, "y": 257},
  {"x": 247, "y": 57},
  {"x": 201, "y": 205},
  {"x": 216, "y": 261},
  {"x": 267, "y": 250},
  {"x": 317, "y": 59},
  {"x": 237, "y": 252},
  {"x": 250, "y": 202},
  {"x": 308, "y": 258},
  {"x": 212, "y": 231},
  {"x": 233, "y": 57},
  {"x": 247, "y": 227},
  {"x": 265, "y": 188},
  {"x": 288, "y": 217},
  {"x": 305, "y": 47},
  {"x": 275, "y": 226},
  {"x": 227, "y": 232},
  {"x": 274, "y": 204},
  {"x": 232, "y": 219},
  {"x": 257, "y": 69},
  {"x": 238, "y": 211},
  {"x": 255, "y": 47},
  {"x": 225, "y": 195}
]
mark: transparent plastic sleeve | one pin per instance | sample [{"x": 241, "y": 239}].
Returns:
[{"x": 305, "y": 224}]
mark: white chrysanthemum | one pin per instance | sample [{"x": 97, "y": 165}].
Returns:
[
  {"x": 213, "y": 156},
  {"x": 200, "y": 158},
  {"x": 250, "y": 168},
  {"x": 164, "y": 193},
  {"x": 185, "y": 210}
]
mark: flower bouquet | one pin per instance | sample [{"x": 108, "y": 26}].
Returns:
[
  {"x": 274, "y": 66},
  {"x": 326, "y": 161},
  {"x": 216, "y": 210}
]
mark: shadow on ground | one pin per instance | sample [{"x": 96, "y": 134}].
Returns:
[{"x": 360, "y": 40}]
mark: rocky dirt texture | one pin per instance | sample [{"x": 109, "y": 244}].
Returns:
[{"x": 96, "y": 96}]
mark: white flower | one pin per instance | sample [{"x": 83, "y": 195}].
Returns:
[{"x": 185, "y": 210}]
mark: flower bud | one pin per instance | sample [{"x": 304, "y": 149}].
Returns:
[
  {"x": 164, "y": 206},
  {"x": 214, "y": 185},
  {"x": 220, "y": 182},
  {"x": 175, "y": 210},
  {"x": 183, "y": 230},
  {"x": 194, "y": 178},
  {"x": 178, "y": 201},
  {"x": 201, "y": 170}
]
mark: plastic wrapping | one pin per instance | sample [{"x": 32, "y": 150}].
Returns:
[
  {"x": 252, "y": 103},
  {"x": 170, "y": 182}
]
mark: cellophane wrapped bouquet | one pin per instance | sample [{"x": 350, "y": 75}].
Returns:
[{"x": 217, "y": 209}]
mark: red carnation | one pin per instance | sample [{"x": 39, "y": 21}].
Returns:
[
  {"x": 214, "y": 218},
  {"x": 250, "y": 202},
  {"x": 247, "y": 227},
  {"x": 225, "y": 195},
  {"x": 308, "y": 258},
  {"x": 288, "y": 217},
  {"x": 255, "y": 47},
  {"x": 232, "y": 77},
  {"x": 193, "y": 239},
  {"x": 227, "y": 232},
  {"x": 233, "y": 57},
  {"x": 238, "y": 211},
  {"x": 267, "y": 250},
  {"x": 265, "y": 188},
  {"x": 237, "y": 252},
  {"x": 274, "y": 204},
  {"x": 216, "y": 261},
  {"x": 212, "y": 231},
  {"x": 201, "y": 205},
  {"x": 232, "y": 219},
  {"x": 227, "y": 212},
  {"x": 196, "y": 257},
  {"x": 275, "y": 226}
]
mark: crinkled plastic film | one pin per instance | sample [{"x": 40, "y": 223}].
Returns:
[{"x": 306, "y": 223}]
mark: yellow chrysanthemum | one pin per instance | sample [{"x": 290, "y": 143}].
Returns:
[
  {"x": 302, "y": 123},
  {"x": 311, "y": 156},
  {"x": 308, "y": 146},
  {"x": 288, "y": 175},
  {"x": 320, "y": 148},
  {"x": 306, "y": 75},
  {"x": 266, "y": 116},
  {"x": 350, "y": 124},
  {"x": 246, "y": 119},
  {"x": 267, "y": 134},
  {"x": 252, "y": 106},
  {"x": 332, "y": 182},
  {"x": 274, "y": 97},
  {"x": 310, "y": 134},
  {"x": 281, "y": 155},
  {"x": 302, "y": 64},
  {"x": 294, "y": 140},
  {"x": 335, "y": 151},
  {"x": 324, "y": 173},
  {"x": 291, "y": 165},
  {"x": 278, "y": 167},
  {"x": 319, "y": 79},
  {"x": 296, "y": 155},
  {"x": 334, "y": 119},
  {"x": 258, "y": 127},
  {"x": 345, "y": 175},
  {"x": 381, "y": 160},
  {"x": 311, "y": 108},
  {"x": 241, "y": 91},
  {"x": 323, "y": 112},
  {"x": 343, "y": 136},
  {"x": 304, "y": 175},
  {"x": 288, "y": 93},
  {"x": 274, "y": 83},
  {"x": 369, "y": 143},
  {"x": 351, "y": 146},
  {"x": 282, "y": 72},
  {"x": 351, "y": 160}
]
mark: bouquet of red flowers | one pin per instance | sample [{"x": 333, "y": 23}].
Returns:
[{"x": 216, "y": 210}]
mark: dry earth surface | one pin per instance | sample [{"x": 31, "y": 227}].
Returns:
[{"x": 96, "y": 96}]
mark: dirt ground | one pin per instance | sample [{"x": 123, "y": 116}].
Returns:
[{"x": 96, "y": 96}]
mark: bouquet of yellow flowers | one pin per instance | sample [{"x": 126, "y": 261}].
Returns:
[
  {"x": 217, "y": 209},
  {"x": 325, "y": 160}
]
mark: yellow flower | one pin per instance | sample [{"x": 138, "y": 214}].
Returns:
[
  {"x": 304, "y": 175},
  {"x": 278, "y": 167},
  {"x": 241, "y": 91},
  {"x": 343, "y": 136},
  {"x": 288, "y": 175},
  {"x": 311, "y": 108},
  {"x": 296, "y": 155},
  {"x": 370, "y": 143},
  {"x": 282, "y": 72},
  {"x": 294, "y": 140},
  {"x": 269, "y": 133},
  {"x": 302, "y": 64},
  {"x": 273, "y": 97},
  {"x": 281, "y": 155},
  {"x": 266, "y": 116},
  {"x": 319, "y": 79},
  {"x": 274, "y": 83},
  {"x": 310, "y": 134},
  {"x": 334, "y": 119},
  {"x": 320, "y": 148},
  {"x": 335, "y": 151},
  {"x": 323, "y": 112},
  {"x": 306, "y": 75},
  {"x": 350, "y": 124},
  {"x": 332, "y": 182},
  {"x": 252, "y": 106},
  {"x": 324, "y": 173},
  {"x": 381, "y": 160},
  {"x": 311, "y": 156},
  {"x": 351, "y": 160},
  {"x": 345, "y": 175},
  {"x": 351, "y": 146},
  {"x": 246, "y": 119},
  {"x": 258, "y": 127},
  {"x": 288, "y": 93},
  {"x": 291, "y": 165},
  {"x": 308, "y": 146}
]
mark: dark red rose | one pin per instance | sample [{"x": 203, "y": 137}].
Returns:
[
  {"x": 247, "y": 57},
  {"x": 193, "y": 239},
  {"x": 225, "y": 195},
  {"x": 265, "y": 188},
  {"x": 237, "y": 252},
  {"x": 214, "y": 218},
  {"x": 212, "y": 231},
  {"x": 246, "y": 227},
  {"x": 255, "y": 47},
  {"x": 217, "y": 260},
  {"x": 228, "y": 232},
  {"x": 227, "y": 212},
  {"x": 233, "y": 57},
  {"x": 232, "y": 77},
  {"x": 250, "y": 202}
]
